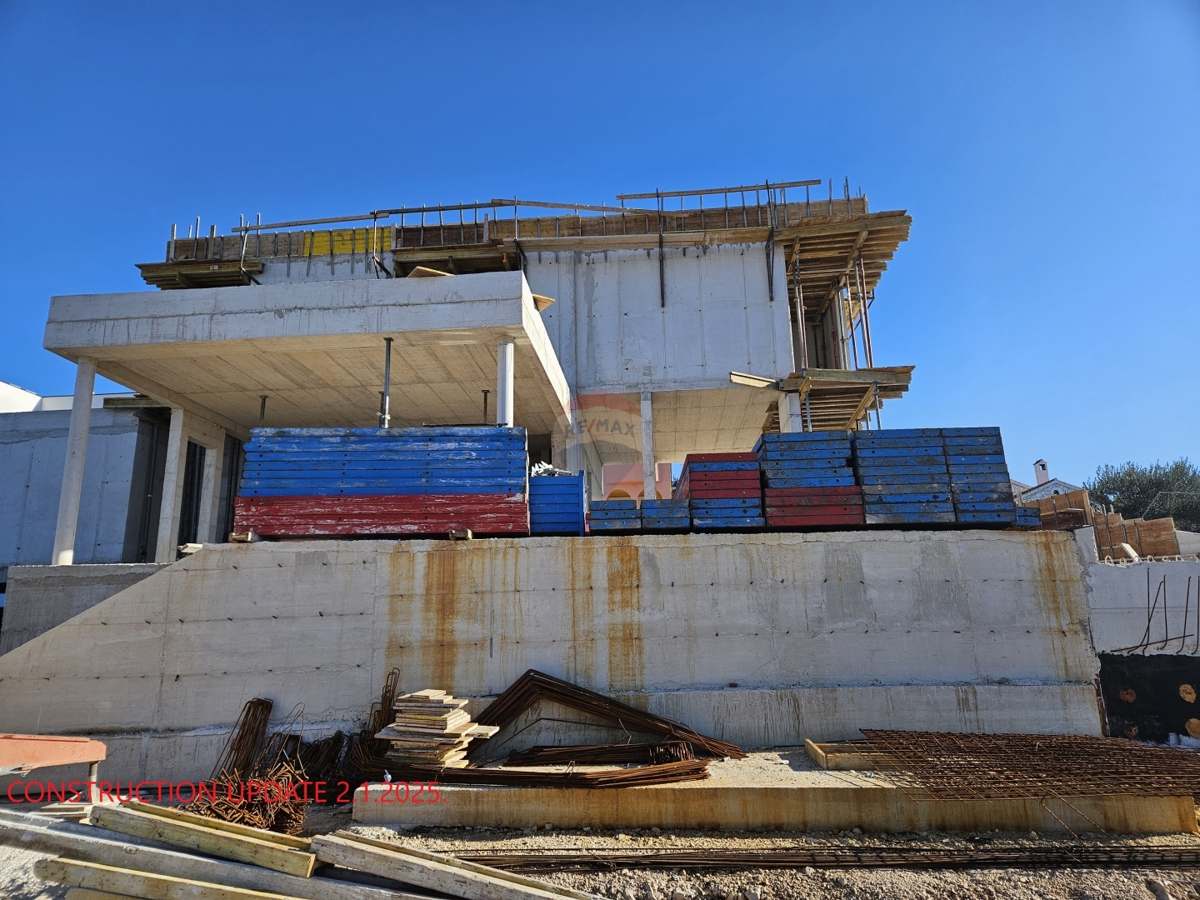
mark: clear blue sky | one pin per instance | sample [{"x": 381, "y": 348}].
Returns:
[{"x": 1049, "y": 154}]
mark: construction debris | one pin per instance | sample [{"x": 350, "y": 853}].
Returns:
[
  {"x": 250, "y": 756},
  {"x": 602, "y": 754},
  {"x": 535, "y": 686},
  {"x": 432, "y": 729},
  {"x": 638, "y": 776},
  {"x": 271, "y": 866}
]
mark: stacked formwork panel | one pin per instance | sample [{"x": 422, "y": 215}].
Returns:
[
  {"x": 614, "y": 516},
  {"x": 979, "y": 482},
  {"x": 376, "y": 481},
  {"x": 904, "y": 477},
  {"x": 723, "y": 490},
  {"x": 556, "y": 504},
  {"x": 808, "y": 480}
]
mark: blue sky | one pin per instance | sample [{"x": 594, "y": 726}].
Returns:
[{"x": 1048, "y": 153}]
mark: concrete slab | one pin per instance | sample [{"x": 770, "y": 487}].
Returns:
[
  {"x": 316, "y": 349},
  {"x": 775, "y": 791}
]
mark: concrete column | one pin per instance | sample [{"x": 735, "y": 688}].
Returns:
[
  {"x": 791, "y": 413},
  {"x": 504, "y": 383},
  {"x": 172, "y": 490},
  {"x": 649, "y": 485},
  {"x": 210, "y": 501},
  {"x": 72, "y": 485}
]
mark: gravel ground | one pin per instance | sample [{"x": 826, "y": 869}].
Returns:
[
  {"x": 18, "y": 882},
  {"x": 795, "y": 884}
]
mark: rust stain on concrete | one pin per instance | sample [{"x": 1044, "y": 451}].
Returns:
[
  {"x": 580, "y": 563},
  {"x": 1058, "y": 589},
  {"x": 626, "y": 667},
  {"x": 440, "y": 614}
]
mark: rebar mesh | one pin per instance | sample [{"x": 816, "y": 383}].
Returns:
[{"x": 930, "y": 765}]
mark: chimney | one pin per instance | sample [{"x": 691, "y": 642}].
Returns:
[{"x": 1041, "y": 471}]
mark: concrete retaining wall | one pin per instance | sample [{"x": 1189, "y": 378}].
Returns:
[
  {"x": 821, "y": 634},
  {"x": 41, "y": 597}
]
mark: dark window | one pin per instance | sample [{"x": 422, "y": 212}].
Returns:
[{"x": 193, "y": 488}]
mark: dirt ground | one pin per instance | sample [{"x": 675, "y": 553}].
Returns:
[{"x": 18, "y": 882}]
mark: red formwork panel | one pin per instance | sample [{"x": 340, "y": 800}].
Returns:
[
  {"x": 409, "y": 514},
  {"x": 723, "y": 493}
]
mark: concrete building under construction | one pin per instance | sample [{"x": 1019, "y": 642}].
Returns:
[{"x": 673, "y": 323}]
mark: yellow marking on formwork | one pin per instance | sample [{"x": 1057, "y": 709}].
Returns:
[{"x": 347, "y": 240}]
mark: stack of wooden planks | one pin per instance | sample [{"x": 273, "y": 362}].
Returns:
[
  {"x": 432, "y": 728},
  {"x": 301, "y": 482},
  {"x": 808, "y": 481},
  {"x": 979, "y": 482},
  {"x": 904, "y": 476},
  {"x": 723, "y": 490},
  {"x": 153, "y": 852}
]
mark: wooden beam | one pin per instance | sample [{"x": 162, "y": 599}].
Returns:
[
  {"x": 86, "y": 842},
  {"x": 890, "y": 375},
  {"x": 868, "y": 396},
  {"x": 875, "y": 221},
  {"x": 130, "y": 883},
  {"x": 205, "y": 839},
  {"x": 177, "y": 814},
  {"x": 441, "y": 875},
  {"x": 670, "y": 240},
  {"x": 837, "y": 281},
  {"x": 478, "y": 869}
]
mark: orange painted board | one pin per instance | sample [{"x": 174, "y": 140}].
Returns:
[{"x": 40, "y": 750}]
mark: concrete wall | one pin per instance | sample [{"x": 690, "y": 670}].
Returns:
[
  {"x": 41, "y": 597},
  {"x": 821, "y": 634},
  {"x": 612, "y": 333},
  {"x": 32, "y": 452},
  {"x": 1144, "y": 607}
]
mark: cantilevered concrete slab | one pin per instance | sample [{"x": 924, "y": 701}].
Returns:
[{"x": 316, "y": 349}]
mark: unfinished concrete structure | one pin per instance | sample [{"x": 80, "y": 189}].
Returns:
[{"x": 621, "y": 336}]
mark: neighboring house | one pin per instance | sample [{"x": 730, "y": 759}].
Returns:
[{"x": 1045, "y": 487}]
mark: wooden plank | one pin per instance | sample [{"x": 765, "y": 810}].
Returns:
[
  {"x": 86, "y": 842},
  {"x": 206, "y": 840},
  {"x": 130, "y": 883},
  {"x": 181, "y": 815},
  {"x": 475, "y": 868},
  {"x": 86, "y": 894},
  {"x": 427, "y": 871}
]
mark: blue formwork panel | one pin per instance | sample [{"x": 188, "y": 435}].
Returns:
[
  {"x": 598, "y": 514},
  {"x": 772, "y": 471},
  {"x": 731, "y": 503},
  {"x": 723, "y": 466},
  {"x": 614, "y": 504},
  {"x": 1004, "y": 517},
  {"x": 1028, "y": 517},
  {"x": 667, "y": 507},
  {"x": 870, "y": 506},
  {"x": 323, "y": 462},
  {"x": 556, "y": 504},
  {"x": 600, "y": 526},
  {"x": 983, "y": 431},
  {"x": 944, "y": 518},
  {"x": 922, "y": 486},
  {"x": 872, "y": 471},
  {"x": 728, "y": 523},
  {"x": 655, "y": 525},
  {"x": 924, "y": 497},
  {"x": 942, "y": 478},
  {"x": 871, "y": 443},
  {"x": 794, "y": 481},
  {"x": 796, "y": 439},
  {"x": 996, "y": 495}
]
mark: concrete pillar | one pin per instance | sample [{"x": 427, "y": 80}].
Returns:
[
  {"x": 172, "y": 490},
  {"x": 210, "y": 501},
  {"x": 791, "y": 413},
  {"x": 504, "y": 383},
  {"x": 72, "y": 485},
  {"x": 648, "y": 480}
]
